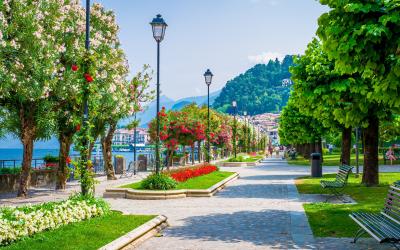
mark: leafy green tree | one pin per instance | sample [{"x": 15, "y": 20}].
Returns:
[
  {"x": 105, "y": 63},
  {"x": 324, "y": 94},
  {"x": 362, "y": 39},
  {"x": 30, "y": 69},
  {"x": 300, "y": 130}
]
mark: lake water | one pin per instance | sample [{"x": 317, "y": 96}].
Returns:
[{"x": 17, "y": 153}]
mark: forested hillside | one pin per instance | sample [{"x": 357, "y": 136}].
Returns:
[{"x": 258, "y": 90}]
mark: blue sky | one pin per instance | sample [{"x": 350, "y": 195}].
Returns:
[{"x": 227, "y": 36}]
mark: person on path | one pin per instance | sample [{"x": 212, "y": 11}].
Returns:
[
  {"x": 270, "y": 150},
  {"x": 330, "y": 147},
  {"x": 390, "y": 155}
]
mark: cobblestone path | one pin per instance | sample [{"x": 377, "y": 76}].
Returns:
[{"x": 261, "y": 210}]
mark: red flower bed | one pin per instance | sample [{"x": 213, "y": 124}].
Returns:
[{"x": 184, "y": 175}]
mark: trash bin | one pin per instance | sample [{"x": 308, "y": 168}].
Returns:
[{"x": 316, "y": 168}]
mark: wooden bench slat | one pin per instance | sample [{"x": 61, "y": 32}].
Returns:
[
  {"x": 357, "y": 218},
  {"x": 385, "y": 226},
  {"x": 382, "y": 227}
]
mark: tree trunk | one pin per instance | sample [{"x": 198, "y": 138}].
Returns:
[
  {"x": 346, "y": 146},
  {"x": 106, "y": 143},
  {"x": 27, "y": 141},
  {"x": 306, "y": 150},
  {"x": 184, "y": 155},
  {"x": 192, "y": 147},
  {"x": 199, "y": 150},
  {"x": 318, "y": 149},
  {"x": 170, "y": 158},
  {"x": 65, "y": 141},
  {"x": 371, "y": 163},
  {"x": 91, "y": 146},
  {"x": 28, "y": 135}
]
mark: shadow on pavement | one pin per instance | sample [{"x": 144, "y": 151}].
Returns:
[{"x": 270, "y": 228}]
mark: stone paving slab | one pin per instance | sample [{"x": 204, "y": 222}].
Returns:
[{"x": 261, "y": 210}]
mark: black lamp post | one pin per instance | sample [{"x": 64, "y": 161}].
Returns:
[
  {"x": 85, "y": 142},
  {"x": 208, "y": 78},
  {"x": 158, "y": 26},
  {"x": 134, "y": 141},
  {"x": 245, "y": 132},
  {"x": 248, "y": 135},
  {"x": 234, "y": 105},
  {"x": 258, "y": 138}
]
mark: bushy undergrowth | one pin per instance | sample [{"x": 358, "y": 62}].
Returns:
[
  {"x": 159, "y": 182},
  {"x": 239, "y": 158},
  {"x": 10, "y": 170}
]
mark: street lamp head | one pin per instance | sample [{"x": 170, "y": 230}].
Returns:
[
  {"x": 158, "y": 25},
  {"x": 234, "y": 104},
  {"x": 208, "y": 77}
]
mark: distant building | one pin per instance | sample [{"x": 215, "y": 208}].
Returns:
[
  {"x": 126, "y": 137},
  {"x": 270, "y": 123}
]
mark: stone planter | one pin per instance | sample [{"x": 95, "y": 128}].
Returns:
[
  {"x": 138, "y": 235},
  {"x": 129, "y": 193}
]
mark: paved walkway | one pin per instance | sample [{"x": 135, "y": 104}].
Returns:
[
  {"x": 261, "y": 210},
  {"x": 40, "y": 195}
]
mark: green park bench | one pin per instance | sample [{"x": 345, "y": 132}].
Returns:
[
  {"x": 383, "y": 226},
  {"x": 337, "y": 186}
]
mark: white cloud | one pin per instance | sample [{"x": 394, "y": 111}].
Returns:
[
  {"x": 198, "y": 91},
  {"x": 264, "y": 57}
]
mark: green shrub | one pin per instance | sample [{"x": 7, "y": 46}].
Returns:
[
  {"x": 239, "y": 158},
  {"x": 50, "y": 158},
  {"x": 10, "y": 170},
  {"x": 158, "y": 182}
]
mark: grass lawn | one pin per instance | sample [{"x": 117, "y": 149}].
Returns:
[
  {"x": 201, "y": 182},
  {"x": 332, "y": 220},
  {"x": 246, "y": 159},
  {"x": 334, "y": 160},
  {"x": 90, "y": 234}
]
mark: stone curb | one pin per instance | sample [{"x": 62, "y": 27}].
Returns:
[
  {"x": 129, "y": 193},
  {"x": 139, "y": 234}
]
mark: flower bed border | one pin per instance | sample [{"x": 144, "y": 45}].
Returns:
[
  {"x": 133, "y": 194},
  {"x": 139, "y": 234}
]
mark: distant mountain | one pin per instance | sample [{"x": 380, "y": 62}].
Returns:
[
  {"x": 180, "y": 105},
  {"x": 149, "y": 113},
  {"x": 199, "y": 100},
  {"x": 259, "y": 90}
]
